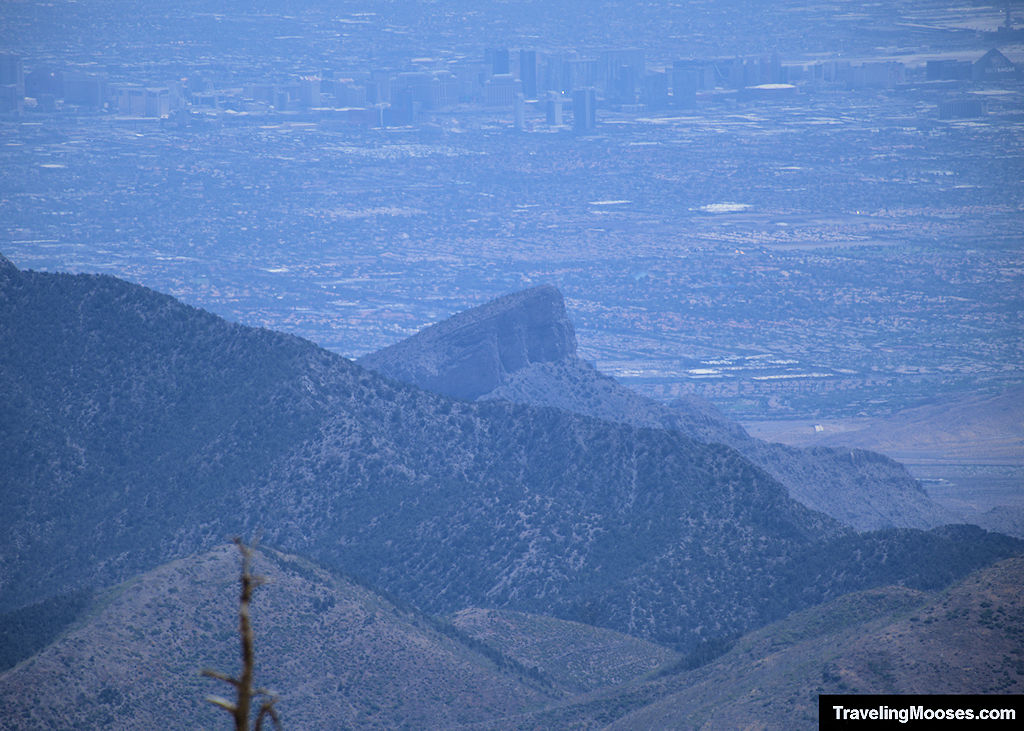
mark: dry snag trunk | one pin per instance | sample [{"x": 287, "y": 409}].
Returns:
[{"x": 244, "y": 691}]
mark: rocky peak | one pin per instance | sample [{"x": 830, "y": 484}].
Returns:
[
  {"x": 6, "y": 266},
  {"x": 470, "y": 353}
]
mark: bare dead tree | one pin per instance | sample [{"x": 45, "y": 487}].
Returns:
[{"x": 245, "y": 694}]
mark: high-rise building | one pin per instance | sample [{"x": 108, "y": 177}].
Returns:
[
  {"x": 12, "y": 83},
  {"x": 685, "y": 82},
  {"x": 579, "y": 73},
  {"x": 528, "y": 73},
  {"x": 620, "y": 73},
  {"x": 519, "y": 112},
  {"x": 158, "y": 103},
  {"x": 82, "y": 90},
  {"x": 497, "y": 61},
  {"x": 947, "y": 69},
  {"x": 584, "y": 110},
  {"x": 404, "y": 109},
  {"x": 500, "y": 90},
  {"x": 551, "y": 73},
  {"x": 553, "y": 109},
  {"x": 444, "y": 89},
  {"x": 418, "y": 83},
  {"x": 308, "y": 92},
  {"x": 10, "y": 100},
  {"x": 431, "y": 90},
  {"x": 261, "y": 93},
  {"x": 349, "y": 94},
  {"x": 378, "y": 89},
  {"x": 131, "y": 101},
  {"x": 44, "y": 80},
  {"x": 777, "y": 74},
  {"x": 614, "y": 62},
  {"x": 878, "y": 74},
  {"x": 655, "y": 91},
  {"x": 11, "y": 71}
]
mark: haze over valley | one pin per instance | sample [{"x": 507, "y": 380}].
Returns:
[{"x": 654, "y": 366}]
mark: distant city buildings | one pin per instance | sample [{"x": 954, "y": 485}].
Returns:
[
  {"x": 524, "y": 83},
  {"x": 947, "y": 69}
]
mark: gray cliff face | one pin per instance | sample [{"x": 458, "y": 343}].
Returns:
[
  {"x": 474, "y": 352},
  {"x": 522, "y": 348}
]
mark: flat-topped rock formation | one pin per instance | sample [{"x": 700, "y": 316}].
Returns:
[
  {"x": 472, "y": 353},
  {"x": 522, "y": 348}
]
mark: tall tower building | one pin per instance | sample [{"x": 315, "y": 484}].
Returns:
[
  {"x": 11, "y": 71},
  {"x": 528, "y": 73},
  {"x": 553, "y": 109},
  {"x": 519, "y": 112},
  {"x": 584, "y": 110},
  {"x": 655, "y": 91},
  {"x": 12, "y": 83},
  {"x": 497, "y": 61},
  {"x": 686, "y": 80},
  {"x": 500, "y": 90}
]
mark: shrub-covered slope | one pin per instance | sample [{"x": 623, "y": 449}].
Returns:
[
  {"x": 969, "y": 639},
  {"x": 964, "y": 639},
  {"x": 136, "y": 429},
  {"x": 337, "y": 655},
  {"x": 576, "y": 657}
]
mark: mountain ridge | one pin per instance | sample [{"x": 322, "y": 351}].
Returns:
[
  {"x": 863, "y": 489},
  {"x": 141, "y": 430}
]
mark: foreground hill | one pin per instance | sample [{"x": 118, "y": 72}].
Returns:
[
  {"x": 522, "y": 348},
  {"x": 136, "y": 430},
  {"x": 967, "y": 639},
  {"x": 575, "y": 657},
  {"x": 338, "y": 655}
]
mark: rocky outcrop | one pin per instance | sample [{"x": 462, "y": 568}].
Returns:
[
  {"x": 522, "y": 348},
  {"x": 472, "y": 353}
]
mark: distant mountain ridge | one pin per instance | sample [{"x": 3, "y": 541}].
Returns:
[
  {"x": 136, "y": 430},
  {"x": 522, "y": 348}
]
